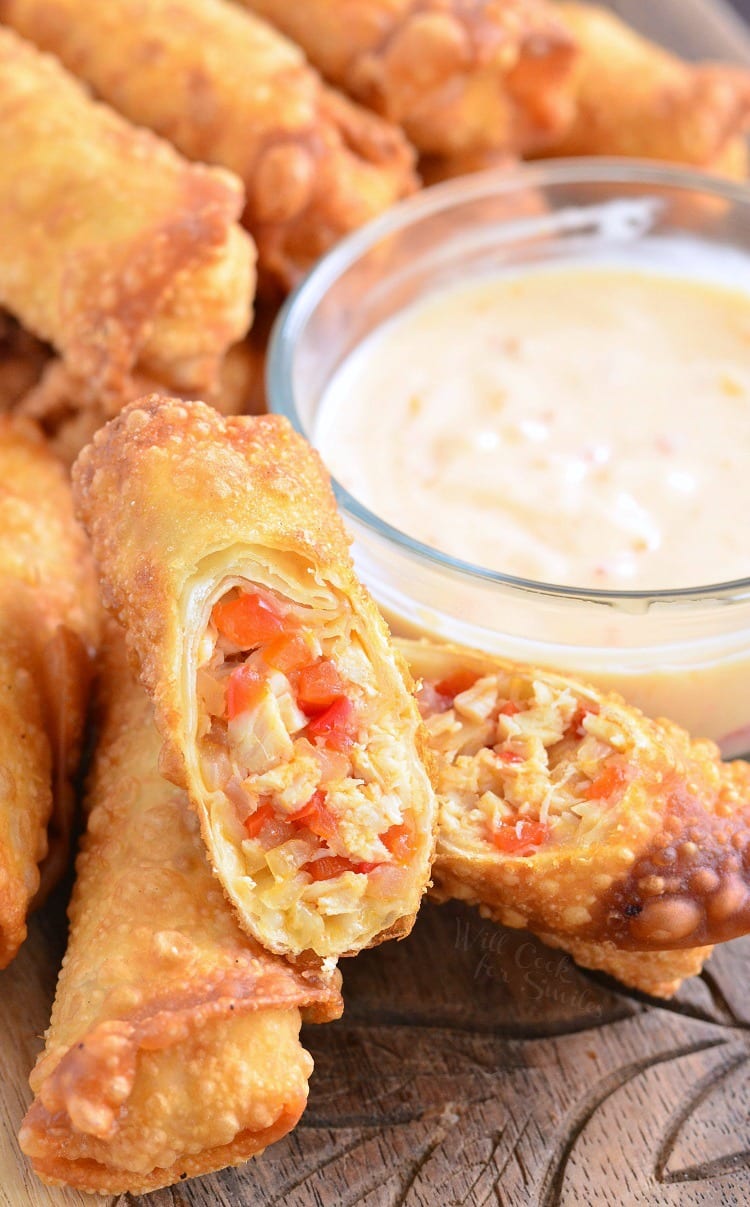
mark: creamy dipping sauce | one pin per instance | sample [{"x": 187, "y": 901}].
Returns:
[{"x": 584, "y": 426}]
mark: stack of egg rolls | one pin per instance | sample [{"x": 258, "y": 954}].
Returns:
[
  {"x": 226, "y": 88},
  {"x": 116, "y": 250},
  {"x": 460, "y": 77},
  {"x": 173, "y": 1048},
  {"x": 48, "y": 631}
]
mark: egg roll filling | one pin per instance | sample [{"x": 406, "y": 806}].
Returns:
[
  {"x": 524, "y": 765},
  {"x": 291, "y": 731}
]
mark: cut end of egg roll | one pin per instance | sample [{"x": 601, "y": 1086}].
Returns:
[
  {"x": 566, "y": 811},
  {"x": 285, "y": 711},
  {"x": 173, "y": 1047},
  {"x": 634, "y": 98}
]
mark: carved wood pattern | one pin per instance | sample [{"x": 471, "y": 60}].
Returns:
[{"x": 472, "y": 1066}]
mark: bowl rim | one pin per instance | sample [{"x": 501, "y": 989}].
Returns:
[{"x": 301, "y": 303}]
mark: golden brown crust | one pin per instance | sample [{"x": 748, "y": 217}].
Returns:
[
  {"x": 634, "y": 98},
  {"x": 669, "y": 868},
  {"x": 116, "y": 250},
  {"x": 173, "y": 1044},
  {"x": 48, "y": 630},
  {"x": 314, "y": 165},
  {"x": 458, "y": 75},
  {"x": 180, "y": 503}
]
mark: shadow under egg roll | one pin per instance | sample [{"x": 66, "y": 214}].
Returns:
[
  {"x": 460, "y": 76},
  {"x": 115, "y": 249},
  {"x": 49, "y": 617},
  {"x": 173, "y": 1047},
  {"x": 314, "y": 165},
  {"x": 566, "y": 811},
  {"x": 22, "y": 362},
  {"x": 634, "y": 98},
  {"x": 284, "y": 710}
]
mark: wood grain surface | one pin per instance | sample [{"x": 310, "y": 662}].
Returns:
[{"x": 472, "y": 1066}]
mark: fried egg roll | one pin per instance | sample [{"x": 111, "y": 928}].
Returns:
[
  {"x": 567, "y": 811},
  {"x": 634, "y": 98},
  {"x": 284, "y": 710},
  {"x": 173, "y": 1047},
  {"x": 459, "y": 75},
  {"x": 54, "y": 400},
  {"x": 48, "y": 630},
  {"x": 314, "y": 165},
  {"x": 115, "y": 250}
]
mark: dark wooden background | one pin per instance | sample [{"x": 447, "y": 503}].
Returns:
[{"x": 472, "y": 1066}]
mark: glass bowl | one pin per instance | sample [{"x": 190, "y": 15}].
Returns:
[{"x": 685, "y": 653}]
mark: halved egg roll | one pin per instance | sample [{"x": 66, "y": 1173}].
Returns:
[
  {"x": 173, "y": 1047},
  {"x": 48, "y": 631},
  {"x": 566, "y": 811},
  {"x": 284, "y": 710},
  {"x": 114, "y": 248},
  {"x": 458, "y": 75},
  {"x": 635, "y": 98},
  {"x": 314, "y": 165}
]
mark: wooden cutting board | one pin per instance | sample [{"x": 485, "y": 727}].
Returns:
[{"x": 472, "y": 1066}]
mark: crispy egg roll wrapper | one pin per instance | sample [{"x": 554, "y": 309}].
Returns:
[
  {"x": 173, "y": 1047},
  {"x": 314, "y": 165},
  {"x": 567, "y": 811},
  {"x": 48, "y": 630},
  {"x": 53, "y": 401},
  {"x": 634, "y": 98},
  {"x": 193, "y": 518},
  {"x": 459, "y": 75},
  {"x": 116, "y": 250}
]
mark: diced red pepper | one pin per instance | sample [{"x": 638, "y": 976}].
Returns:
[
  {"x": 605, "y": 785},
  {"x": 519, "y": 838},
  {"x": 399, "y": 839},
  {"x": 510, "y": 709},
  {"x": 331, "y": 866},
  {"x": 247, "y": 620},
  {"x": 510, "y": 756},
  {"x": 288, "y": 653},
  {"x": 318, "y": 686},
  {"x": 337, "y": 726},
  {"x": 255, "y": 822},
  {"x": 459, "y": 681},
  {"x": 317, "y": 817},
  {"x": 245, "y": 686},
  {"x": 575, "y": 729}
]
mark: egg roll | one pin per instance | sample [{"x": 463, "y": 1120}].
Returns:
[
  {"x": 53, "y": 401},
  {"x": 314, "y": 165},
  {"x": 284, "y": 711},
  {"x": 566, "y": 811},
  {"x": 115, "y": 249},
  {"x": 48, "y": 631},
  {"x": 173, "y": 1047},
  {"x": 634, "y": 98},
  {"x": 459, "y": 75}
]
